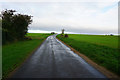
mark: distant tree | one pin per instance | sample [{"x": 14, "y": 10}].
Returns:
[
  {"x": 20, "y": 23},
  {"x": 61, "y": 35},
  {"x": 63, "y": 31},
  {"x": 7, "y": 27},
  {"x": 15, "y": 26},
  {"x": 66, "y": 35},
  {"x": 52, "y": 32},
  {"x": 0, "y": 23},
  {"x": 0, "y": 30},
  {"x": 111, "y": 35}
]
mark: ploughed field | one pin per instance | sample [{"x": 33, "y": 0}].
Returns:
[{"x": 102, "y": 49}]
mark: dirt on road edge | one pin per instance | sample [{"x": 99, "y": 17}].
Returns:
[{"x": 103, "y": 70}]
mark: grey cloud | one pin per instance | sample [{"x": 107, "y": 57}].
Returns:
[
  {"x": 74, "y": 30},
  {"x": 78, "y": 17}
]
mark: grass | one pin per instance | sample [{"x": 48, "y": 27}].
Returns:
[
  {"x": 14, "y": 54},
  {"x": 101, "y": 49}
]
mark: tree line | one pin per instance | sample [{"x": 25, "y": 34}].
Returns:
[{"x": 14, "y": 26}]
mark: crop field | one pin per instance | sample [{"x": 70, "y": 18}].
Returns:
[
  {"x": 100, "y": 48},
  {"x": 14, "y": 54}
]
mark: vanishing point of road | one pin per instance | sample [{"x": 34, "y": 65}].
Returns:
[{"x": 55, "y": 60}]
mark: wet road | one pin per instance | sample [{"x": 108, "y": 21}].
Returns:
[{"x": 55, "y": 60}]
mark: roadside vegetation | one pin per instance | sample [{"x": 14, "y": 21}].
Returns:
[
  {"x": 102, "y": 49},
  {"x": 14, "y": 26},
  {"x": 17, "y": 44},
  {"x": 13, "y": 54}
]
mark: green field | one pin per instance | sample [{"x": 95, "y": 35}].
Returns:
[
  {"x": 101, "y": 49},
  {"x": 13, "y": 54}
]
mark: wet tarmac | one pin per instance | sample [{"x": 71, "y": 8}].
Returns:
[{"x": 55, "y": 60}]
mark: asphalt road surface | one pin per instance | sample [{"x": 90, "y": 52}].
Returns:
[{"x": 55, "y": 60}]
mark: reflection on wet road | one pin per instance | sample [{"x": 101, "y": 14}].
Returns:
[{"x": 55, "y": 60}]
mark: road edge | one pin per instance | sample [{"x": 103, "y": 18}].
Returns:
[
  {"x": 103, "y": 70},
  {"x": 26, "y": 58}
]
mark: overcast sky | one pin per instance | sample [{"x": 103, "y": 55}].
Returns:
[{"x": 76, "y": 16}]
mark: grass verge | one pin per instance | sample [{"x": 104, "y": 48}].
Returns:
[
  {"x": 14, "y": 54},
  {"x": 103, "y": 54}
]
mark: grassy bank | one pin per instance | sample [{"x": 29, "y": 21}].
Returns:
[
  {"x": 14, "y": 54},
  {"x": 101, "y": 49}
]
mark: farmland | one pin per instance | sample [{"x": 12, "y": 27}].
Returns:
[
  {"x": 100, "y": 48},
  {"x": 15, "y": 53}
]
